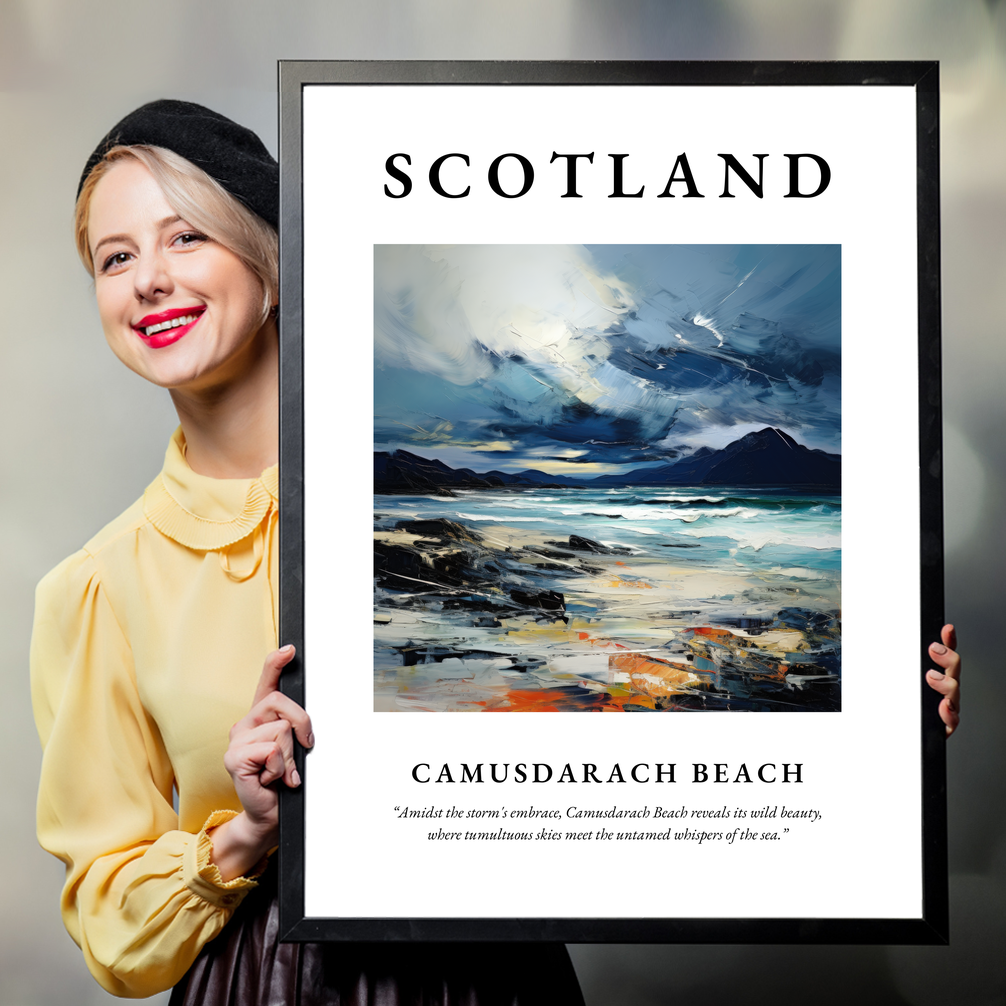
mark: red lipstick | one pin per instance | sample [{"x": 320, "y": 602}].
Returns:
[{"x": 166, "y": 327}]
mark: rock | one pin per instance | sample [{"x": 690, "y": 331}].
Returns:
[
  {"x": 585, "y": 544},
  {"x": 579, "y": 544},
  {"x": 438, "y": 527},
  {"x": 547, "y": 600}
]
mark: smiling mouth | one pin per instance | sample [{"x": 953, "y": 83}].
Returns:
[
  {"x": 185, "y": 319},
  {"x": 167, "y": 321}
]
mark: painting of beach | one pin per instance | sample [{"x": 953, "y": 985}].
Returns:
[{"x": 607, "y": 478}]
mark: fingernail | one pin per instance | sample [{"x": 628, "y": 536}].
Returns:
[
  {"x": 287, "y": 649},
  {"x": 295, "y": 777},
  {"x": 936, "y": 675},
  {"x": 310, "y": 740},
  {"x": 938, "y": 648}
]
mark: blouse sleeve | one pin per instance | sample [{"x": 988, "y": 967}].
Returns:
[{"x": 141, "y": 898}]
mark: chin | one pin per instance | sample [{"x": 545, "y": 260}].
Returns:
[
  {"x": 191, "y": 364},
  {"x": 170, "y": 374}
]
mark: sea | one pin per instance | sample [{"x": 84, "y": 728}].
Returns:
[{"x": 638, "y": 598}]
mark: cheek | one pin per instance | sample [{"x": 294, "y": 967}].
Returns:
[
  {"x": 113, "y": 313},
  {"x": 246, "y": 300},
  {"x": 224, "y": 279}
]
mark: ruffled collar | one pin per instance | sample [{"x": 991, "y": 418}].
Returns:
[{"x": 203, "y": 513}]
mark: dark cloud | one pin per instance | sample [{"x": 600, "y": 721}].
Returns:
[{"x": 615, "y": 355}]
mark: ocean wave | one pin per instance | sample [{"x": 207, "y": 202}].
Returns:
[
  {"x": 722, "y": 524},
  {"x": 690, "y": 500},
  {"x": 503, "y": 519},
  {"x": 691, "y": 516},
  {"x": 758, "y": 540},
  {"x": 514, "y": 503}
]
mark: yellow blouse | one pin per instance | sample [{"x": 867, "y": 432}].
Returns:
[{"x": 147, "y": 647}]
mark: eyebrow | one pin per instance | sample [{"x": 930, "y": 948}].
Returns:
[{"x": 111, "y": 238}]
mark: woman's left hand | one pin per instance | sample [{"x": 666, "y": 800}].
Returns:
[
  {"x": 260, "y": 754},
  {"x": 948, "y": 681}
]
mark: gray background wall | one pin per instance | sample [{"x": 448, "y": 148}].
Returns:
[{"x": 82, "y": 436}]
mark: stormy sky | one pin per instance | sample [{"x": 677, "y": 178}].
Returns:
[{"x": 597, "y": 359}]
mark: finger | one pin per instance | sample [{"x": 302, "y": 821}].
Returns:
[
  {"x": 947, "y": 686},
  {"x": 949, "y": 636},
  {"x": 261, "y": 760},
  {"x": 948, "y": 659},
  {"x": 949, "y": 708},
  {"x": 271, "y": 670},
  {"x": 274, "y": 766},
  {"x": 276, "y": 706},
  {"x": 950, "y": 716},
  {"x": 279, "y": 733}
]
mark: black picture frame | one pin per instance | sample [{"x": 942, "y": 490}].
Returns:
[{"x": 932, "y": 925}]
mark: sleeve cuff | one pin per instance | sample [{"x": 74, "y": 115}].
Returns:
[{"x": 202, "y": 876}]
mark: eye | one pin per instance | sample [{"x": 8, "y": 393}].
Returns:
[
  {"x": 189, "y": 239},
  {"x": 115, "y": 261}
]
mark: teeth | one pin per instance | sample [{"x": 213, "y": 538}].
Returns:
[{"x": 174, "y": 323}]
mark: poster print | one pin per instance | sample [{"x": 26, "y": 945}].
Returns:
[
  {"x": 607, "y": 478},
  {"x": 581, "y": 416}
]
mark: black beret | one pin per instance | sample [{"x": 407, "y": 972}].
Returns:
[{"x": 231, "y": 154}]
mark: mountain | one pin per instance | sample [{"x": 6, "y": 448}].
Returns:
[
  {"x": 531, "y": 476},
  {"x": 400, "y": 473},
  {"x": 765, "y": 458}
]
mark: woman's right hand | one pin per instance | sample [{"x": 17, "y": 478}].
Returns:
[
  {"x": 260, "y": 753},
  {"x": 948, "y": 681}
]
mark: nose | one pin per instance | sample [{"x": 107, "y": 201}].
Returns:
[{"x": 152, "y": 277}]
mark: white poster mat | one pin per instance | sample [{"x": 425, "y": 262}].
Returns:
[{"x": 860, "y": 767}]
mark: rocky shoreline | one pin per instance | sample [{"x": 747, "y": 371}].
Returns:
[{"x": 509, "y": 619}]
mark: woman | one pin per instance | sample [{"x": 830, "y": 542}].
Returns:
[{"x": 148, "y": 643}]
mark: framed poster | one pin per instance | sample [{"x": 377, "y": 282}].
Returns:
[{"x": 612, "y": 388}]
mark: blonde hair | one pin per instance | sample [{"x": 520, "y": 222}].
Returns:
[{"x": 199, "y": 200}]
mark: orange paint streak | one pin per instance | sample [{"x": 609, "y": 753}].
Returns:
[
  {"x": 549, "y": 700},
  {"x": 617, "y": 703},
  {"x": 708, "y": 630},
  {"x": 654, "y": 677},
  {"x": 765, "y": 668},
  {"x": 526, "y": 701},
  {"x": 584, "y": 635},
  {"x": 778, "y": 673}
]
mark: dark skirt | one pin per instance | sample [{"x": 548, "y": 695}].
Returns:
[{"x": 246, "y": 965}]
